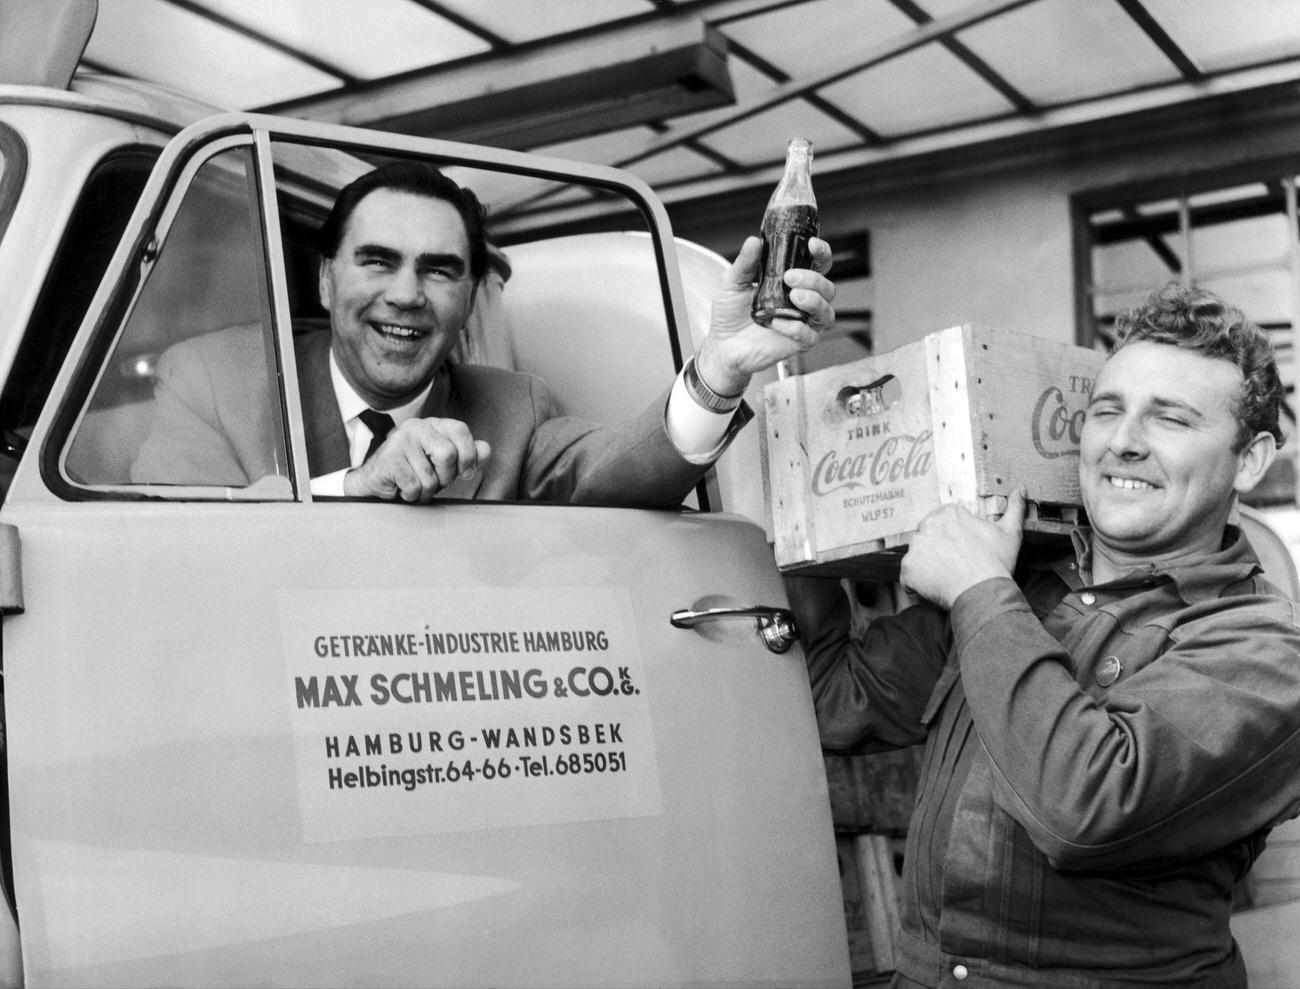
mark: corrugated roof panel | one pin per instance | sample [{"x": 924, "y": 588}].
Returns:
[
  {"x": 519, "y": 22},
  {"x": 762, "y": 139},
  {"x": 748, "y": 143},
  {"x": 503, "y": 195},
  {"x": 599, "y": 149},
  {"x": 1051, "y": 51},
  {"x": 1060, "y": 51},
  {"x": 803, "y": 36},
  {"x": 172, "y": 46},
  {"x": 1218, "y": 35},
  {"x": 924, "y": 89},
  {"x": 371, "y": 40},
  {"x": 679, "y": 164},
  {"x": 674, "y": 164}
]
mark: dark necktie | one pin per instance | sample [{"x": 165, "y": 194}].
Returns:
[{"x": 379, "y": 424}]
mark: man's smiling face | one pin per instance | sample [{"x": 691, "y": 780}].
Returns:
[
  {"x": 1157, "y": 464},
  {"x": 398, "y": 291}
]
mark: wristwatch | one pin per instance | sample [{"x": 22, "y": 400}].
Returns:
[{"x": 706, "y": 396}]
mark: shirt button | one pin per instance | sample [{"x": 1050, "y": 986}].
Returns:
[
  {"x": 1109, "y": 670},
  {"x": 960, "y": 972},
  {"x": 1087, "y": 597}
]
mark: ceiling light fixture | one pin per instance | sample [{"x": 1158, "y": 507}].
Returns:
[{"x": 546, "y": 93}]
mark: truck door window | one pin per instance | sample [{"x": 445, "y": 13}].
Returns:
[
  {"x": 572, "y": 294},
  {"x": 182, "y": 395},
  {"x": 573, "y": 285},
  {"x": 188, "y": 398},
  {"x": 91, "y": 233}
]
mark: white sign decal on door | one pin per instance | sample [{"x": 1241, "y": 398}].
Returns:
[{"x": 419, "y": 711}]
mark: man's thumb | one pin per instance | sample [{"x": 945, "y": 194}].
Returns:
[
  {"x": 1013, "y": 519},
  {"x": 744, "y": 269}
]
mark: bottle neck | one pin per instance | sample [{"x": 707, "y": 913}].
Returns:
[{"x": 796, "y": 182}]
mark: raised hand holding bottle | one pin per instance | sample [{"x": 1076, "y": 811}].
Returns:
[{"x": 789, "y": 220}]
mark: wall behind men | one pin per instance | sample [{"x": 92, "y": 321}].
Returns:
[{"x": 985, "y": 234}]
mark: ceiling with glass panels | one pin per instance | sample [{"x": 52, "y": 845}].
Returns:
[{"x": 699, "y": 97}]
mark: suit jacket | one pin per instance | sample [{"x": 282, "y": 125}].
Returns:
[{"x": 214, "y": 424}]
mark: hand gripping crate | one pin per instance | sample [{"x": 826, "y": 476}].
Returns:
[{"x": 854, "y": 456}]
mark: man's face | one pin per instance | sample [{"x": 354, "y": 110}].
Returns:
[
  {"x": 398, "y": 291},
  {"x": 1157, "y": 465}
]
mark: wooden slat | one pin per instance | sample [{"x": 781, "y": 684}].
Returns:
[{"x": 880, "y": 895}]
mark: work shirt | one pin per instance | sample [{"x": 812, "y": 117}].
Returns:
[{"x": 1102, "y": 764}]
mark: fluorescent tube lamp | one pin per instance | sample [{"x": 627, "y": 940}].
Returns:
[{"x": 546, "y": 93}]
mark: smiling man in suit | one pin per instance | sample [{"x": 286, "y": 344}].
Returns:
[{"x": 388, "y": 416}]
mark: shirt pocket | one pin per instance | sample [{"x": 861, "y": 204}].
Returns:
[{"x": 1109, "y": 652}]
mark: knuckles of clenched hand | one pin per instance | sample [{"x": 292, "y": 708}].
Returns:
[{"x": 419, "y": 458}]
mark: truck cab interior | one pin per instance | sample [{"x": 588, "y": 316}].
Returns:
[{"x": 548, "y": 305}]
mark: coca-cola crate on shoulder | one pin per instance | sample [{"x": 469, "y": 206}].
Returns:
[{"x": 856, "y": 455}]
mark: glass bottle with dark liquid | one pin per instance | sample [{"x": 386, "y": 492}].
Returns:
[{"x": 788, "y": 222}]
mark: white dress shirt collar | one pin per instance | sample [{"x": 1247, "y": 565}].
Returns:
[{"x": 352, "y": 405}]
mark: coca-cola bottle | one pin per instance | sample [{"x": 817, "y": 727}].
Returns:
[{"x": 789, "y": 220}]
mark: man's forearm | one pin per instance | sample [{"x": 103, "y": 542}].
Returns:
[
  {"x": 870, "y": 689},
  {"x": 1179, "y": 748}
]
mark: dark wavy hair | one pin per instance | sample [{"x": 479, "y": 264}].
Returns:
[
  {"x": 1198, "y": 320},
  {"x": 418, "y": 178}
]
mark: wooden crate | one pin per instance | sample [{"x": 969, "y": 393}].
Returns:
[{"x": 854, "y": 456}]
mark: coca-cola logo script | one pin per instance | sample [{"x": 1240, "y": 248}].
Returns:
[
  {"x": 898, "y": 459},
  {"x": 1055, "y": 427}
]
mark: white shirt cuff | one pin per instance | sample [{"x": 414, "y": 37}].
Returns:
[
  {"x": 698, "y": 433},
  {"x": 329, "y": 484}
]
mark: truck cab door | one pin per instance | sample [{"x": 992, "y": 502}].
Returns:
[{"x": 262, "y": 737}]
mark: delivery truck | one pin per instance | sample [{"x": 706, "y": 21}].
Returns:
[{"x": 260, "y": 737}]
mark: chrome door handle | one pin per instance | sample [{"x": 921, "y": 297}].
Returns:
[{"x": 775, "y": 625}]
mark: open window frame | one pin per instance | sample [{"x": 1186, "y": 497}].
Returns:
[{"x": 296, "y": 168}]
